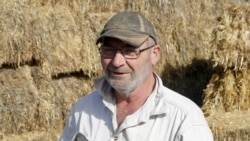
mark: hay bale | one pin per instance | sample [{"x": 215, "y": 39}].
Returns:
[
  {"x": 16, "y": 46},
  {"x": 65, "y": 47},
  {"x": 227, "y": 92},
  {"x": 230, "y": 126},
  {"x": 229, "y": 87},
  {"x": 184, "y": 36},
  {"x": 18, "y": 93},
  {"x": 48, "y": 57},
  {"x": 55, "y": 35},
  {"x": 49, "y": 135},
  {"x": 63, "y": 39},
  {"x": 29, "y": 103},
  {"x": 231, "y": 39}
]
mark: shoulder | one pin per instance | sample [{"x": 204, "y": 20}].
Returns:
[
  {"x": 177, "y": 104},
  {"x": 88, "y": 102},
  {"x": 178, "y": 100},
  {"x": 172, "y": 99},
  {"x": 193, "y": 122}
]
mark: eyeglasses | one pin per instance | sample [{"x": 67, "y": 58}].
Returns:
[{"x": 127, "y": 52}]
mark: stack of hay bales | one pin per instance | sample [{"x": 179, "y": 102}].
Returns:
[
  {"x": 49, "y": 35},
  {"x": 184, "y": 38},
  {"x": 227, "y": 96},
  {"x": 47, "y": 63},
  {"x": 48, "y": 58}
]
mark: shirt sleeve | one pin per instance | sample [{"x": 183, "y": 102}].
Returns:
[
  {"x": 195, "y": 128},
  {"x": 196, "y": 133},
  {"x": 69, "y": 129}
]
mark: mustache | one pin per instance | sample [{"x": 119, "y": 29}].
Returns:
[{"x": 118, "y": 70}]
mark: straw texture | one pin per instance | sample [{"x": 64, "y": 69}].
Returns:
[{"x": 48, "y": 59}]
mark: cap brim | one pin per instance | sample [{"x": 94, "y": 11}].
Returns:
[{"x": 129, "y": 37}]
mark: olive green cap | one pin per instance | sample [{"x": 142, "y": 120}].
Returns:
[{"x": 130, "y": 27}]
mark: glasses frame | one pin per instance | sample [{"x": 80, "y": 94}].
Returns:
[{"x": 122, "y": 52}]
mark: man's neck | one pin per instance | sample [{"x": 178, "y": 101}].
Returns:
[{"x": 128, "y": 104}]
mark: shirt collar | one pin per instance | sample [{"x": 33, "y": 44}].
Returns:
[{"x": 154, "y": 102}]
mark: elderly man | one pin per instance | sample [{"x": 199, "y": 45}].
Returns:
[{"x": 130, "y": 102}]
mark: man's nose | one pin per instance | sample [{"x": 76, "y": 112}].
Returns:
[{"x": 118, "y": 59}]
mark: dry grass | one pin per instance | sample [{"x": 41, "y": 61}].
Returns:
[
  {"x": 227, "y": 92},
  {"x": 229, "y": 88},
  {"x": 231, "y": 40},
  {"x": 48, "y": 58},
  {"x": 231, "y": 126},
  {"x": 48, "y": 135},
  {"x": 37, "y": 103},
  {"x": 53, "y": 35}
]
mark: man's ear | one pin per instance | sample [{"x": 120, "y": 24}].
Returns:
[{"x": 156, "y": 53}]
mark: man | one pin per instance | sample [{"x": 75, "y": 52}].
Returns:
[{"x": 130, "y": 102}]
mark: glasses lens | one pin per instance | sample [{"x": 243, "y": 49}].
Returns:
[
  {"x": 130, "y": 53},
  {"x": 107, "y": 52}
]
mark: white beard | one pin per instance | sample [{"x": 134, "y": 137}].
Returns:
[{"x": 128, "y": 86}]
